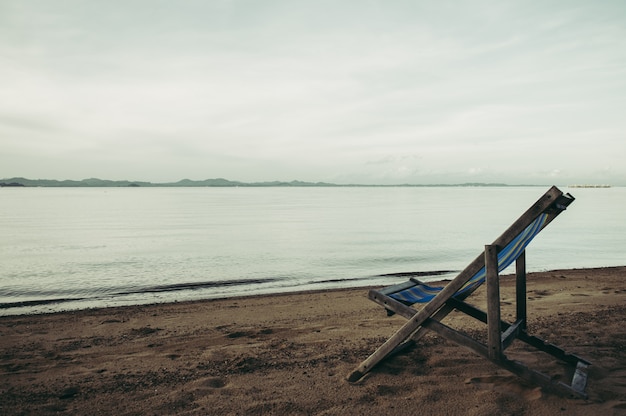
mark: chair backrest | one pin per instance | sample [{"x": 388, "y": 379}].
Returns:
[
  {"x": 510, "y": 253},
  {"x": 422, "y": 293},
  {"x": 514, "y": 241}
]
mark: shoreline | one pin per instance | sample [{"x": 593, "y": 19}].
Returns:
[
  {"x": 172, "y": 288},
  {"x": 289, "y": 353}
]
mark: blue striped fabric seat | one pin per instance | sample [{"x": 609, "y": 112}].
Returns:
[{"x": 423, "y": 293}]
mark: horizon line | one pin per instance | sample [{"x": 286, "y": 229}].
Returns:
[{"x": 222, "y": 182}]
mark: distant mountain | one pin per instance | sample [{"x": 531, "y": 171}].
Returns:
[
  {"x": 206, "y": 182},
  {"x": 95, "y": 182},
  {"x": 91, "y": 182}
]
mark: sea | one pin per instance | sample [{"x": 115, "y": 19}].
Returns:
[{"x": 78, "y": 248}]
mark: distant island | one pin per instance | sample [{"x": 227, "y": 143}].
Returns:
[
  {"x": 590, "y": 186},
  {"x": 218, "y": 182}
]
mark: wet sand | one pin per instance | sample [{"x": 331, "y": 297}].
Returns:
[{"x": 290, "y": 354}]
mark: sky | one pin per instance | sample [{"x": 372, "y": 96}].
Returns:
[{"x": 354, "y": 91}]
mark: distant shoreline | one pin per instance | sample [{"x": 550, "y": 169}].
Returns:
[
  {"x": 590, "y": 186},
  {"x": 217, "y": 182}
]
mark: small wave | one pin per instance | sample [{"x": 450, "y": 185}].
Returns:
[
  {"x": 417, "y": 274},
  {"x": 140, "y": 290},
  {"x": 195, "y": 286},
  {"x": 355, "y": 279},
  {"x": 38, "y": 302},
  {"x": 398, "y": 274}
]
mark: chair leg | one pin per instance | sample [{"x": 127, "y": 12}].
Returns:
[
  {"x": 520, "y": 289},
  {"x": 494, "y": 331}
]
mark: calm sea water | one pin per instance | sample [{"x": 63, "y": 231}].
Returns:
[{"x": 70, "y": 248}]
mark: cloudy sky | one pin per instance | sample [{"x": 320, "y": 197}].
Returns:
[{"x": 351, "y": 91}]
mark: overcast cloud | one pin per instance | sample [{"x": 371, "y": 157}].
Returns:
[{"x": 339, "y": 91}]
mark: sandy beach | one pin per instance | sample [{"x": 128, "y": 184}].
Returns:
[{"x": 290, "y": 354}]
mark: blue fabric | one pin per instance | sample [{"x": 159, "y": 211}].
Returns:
[{"x": 423, "y": 293}]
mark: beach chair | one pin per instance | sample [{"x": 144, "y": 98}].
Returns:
[{"x": 438, "y": 302}]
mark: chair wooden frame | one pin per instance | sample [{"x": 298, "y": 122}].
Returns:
[{"x": 500, "y": 334}]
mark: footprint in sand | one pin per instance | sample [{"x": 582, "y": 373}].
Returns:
[
  {"x": 214, "y": 382},
  {"x": 209, "y": 385}
]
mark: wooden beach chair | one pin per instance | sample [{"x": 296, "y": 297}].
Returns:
[{"x": 440, "y": 301}]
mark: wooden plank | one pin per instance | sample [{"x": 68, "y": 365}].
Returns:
[
  {"x": 468, "y": 309},
  {"x": 511, "y": 333},
  {"x": 551, "y": 349},
  {"x": 392, "y": 304},
  {"x": 494, "y": 332},
  {"x": 545, "y": 203},
  {"x": 520, "y": 288}
]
